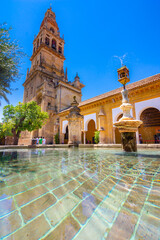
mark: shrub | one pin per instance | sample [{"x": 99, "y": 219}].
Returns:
[
  {"x": 56, "y": 138},
  {"x": 96, "y": 136}
]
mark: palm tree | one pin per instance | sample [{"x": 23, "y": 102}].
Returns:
[{"x": 3, "y": 92}]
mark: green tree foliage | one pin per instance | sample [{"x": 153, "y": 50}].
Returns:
[
  {"x": 10, "y": 59},
  {"x": 96, "y": 137},
  {"x": 4, "y": 131},
  {"x": 2, "y": 135},
  {"x": 27, "y": 116}
]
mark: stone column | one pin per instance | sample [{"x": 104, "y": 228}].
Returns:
[
  {"x": 62, "y": 138},
  {"x": 129, "y": 141},
  {"x": 102, "y": 136},
  {"x": 84, "y": 137},
  {"x": 101, "y": 117},
  {"x": 114, "y": 135},
  {"x": 137, "y": 137}
]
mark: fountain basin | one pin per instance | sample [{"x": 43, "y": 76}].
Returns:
[{"x": 128, "y": 124}]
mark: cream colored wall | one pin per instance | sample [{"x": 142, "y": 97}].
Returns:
[{"x": 135, "y": 96}]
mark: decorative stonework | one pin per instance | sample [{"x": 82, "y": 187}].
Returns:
[
  {"x": 74, "y": 123},
  {"x": 127, "y": 125}
]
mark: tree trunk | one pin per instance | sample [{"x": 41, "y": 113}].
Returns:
[
  {"x": 15, "y": 140},
  {"x": 2, "y": 141},
  {"x": 15, "y": 137}
]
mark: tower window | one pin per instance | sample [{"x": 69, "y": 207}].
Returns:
[
  {"x": 47, "y": 41},
  {"x": 40, "y": 40},
  {"x": 52, "y": 30},
  {"x": 60, "y": 50},
  {"x": 53, "y": 44}
]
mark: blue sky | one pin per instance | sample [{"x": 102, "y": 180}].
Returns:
[{"x": 94, "y": 32}]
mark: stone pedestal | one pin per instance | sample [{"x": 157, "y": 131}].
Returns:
[
  {"x": 74, "y": 131},
  {"x": 129, "y": 141},
  {"x": 74, "y": 124}
]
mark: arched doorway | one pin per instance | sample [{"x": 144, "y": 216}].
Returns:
[
  {"x": 66, "y": 135},
  {"x": 91, "y": 131},
  {"x": 150, "y": 129},
  {"x": 117, "y": 133}
]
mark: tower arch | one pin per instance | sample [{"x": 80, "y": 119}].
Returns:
[{"x": 54, "y": 44}]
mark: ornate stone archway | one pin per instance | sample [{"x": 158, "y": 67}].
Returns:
[
  {"x": 150, "y": 129},
  {"x": 91, "y": 128}
]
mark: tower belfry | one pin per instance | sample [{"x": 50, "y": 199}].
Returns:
[
  {"x": 46, "y": 83},
  {"x": 51, "y": 46}
]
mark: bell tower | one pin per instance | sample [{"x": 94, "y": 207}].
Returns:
[
  {"x": 46, "y": 83},
  {"x": 48, "y": 46}
]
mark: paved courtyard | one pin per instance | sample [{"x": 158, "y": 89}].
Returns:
[{"x": 80, "y": 195}]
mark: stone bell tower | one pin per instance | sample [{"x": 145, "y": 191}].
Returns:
[
  {"x": 48, "y": 46},
  {"x": 46, "y": 83}
]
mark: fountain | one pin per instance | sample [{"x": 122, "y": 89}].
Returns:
[{"x": 127, "y": 125}]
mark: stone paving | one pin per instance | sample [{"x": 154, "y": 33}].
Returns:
[{"x": 79, "y": 194}]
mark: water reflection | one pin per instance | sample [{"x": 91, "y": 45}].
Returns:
[
  {"x": 133, "y": 154},
  {"x": 7, "y": 206},
  {"x": 83, "y": 183},
  {"x": 88, "y": 204},
  {"x": 64, "y": 165}
]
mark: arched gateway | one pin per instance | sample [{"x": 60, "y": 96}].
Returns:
[{"x": 91, "y": 130}]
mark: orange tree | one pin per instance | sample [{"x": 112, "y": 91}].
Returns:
[{"x": 24, "y": 116}]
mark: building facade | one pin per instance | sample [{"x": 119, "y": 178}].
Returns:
[
  {"x": 48, "y": 85},
  {"x": 102, "y": 111}
]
